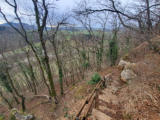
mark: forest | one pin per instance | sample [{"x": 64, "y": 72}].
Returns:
[{"x": 52, "y": 60}]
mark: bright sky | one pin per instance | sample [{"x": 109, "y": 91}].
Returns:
[{"x": 1, "y": 22}]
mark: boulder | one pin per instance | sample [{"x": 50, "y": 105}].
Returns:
[
  {"x": 127, "y": 70},
  {"x": 125, "y": 65},
  {"x": 21, "y": 116},
  {"x": 130, "y": 66},
  {"x": 127, "y": 74}
]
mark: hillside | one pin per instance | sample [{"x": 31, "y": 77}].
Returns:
[
  {"x": 134, "y": 99},
  {"x": 79, "y": 60},
  {"x": 137, "y": 98}
]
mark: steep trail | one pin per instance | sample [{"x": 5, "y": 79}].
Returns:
[
  {"x": 108, "y": 106},
  {"x": 136, "y": 99}
]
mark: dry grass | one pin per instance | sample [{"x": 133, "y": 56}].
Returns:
[{"x": 140, "y": 98}]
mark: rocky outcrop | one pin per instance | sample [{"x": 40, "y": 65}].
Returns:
[
  {"x": 127, "y": 75},
  {"x": 20, "y": 116},
  {"x": 127, "y": 70},
  {"x": 122, "y": 64},
  {"x": 125, "y": 65}
]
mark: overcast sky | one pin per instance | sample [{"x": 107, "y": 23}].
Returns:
[
  {"x": 66, "y": 4},
  {"x": 62, "y": 6}
]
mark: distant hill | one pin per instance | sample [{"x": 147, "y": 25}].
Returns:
[
  {"x": 6, "y": 26},
  {"x": 70, "y": 28}
]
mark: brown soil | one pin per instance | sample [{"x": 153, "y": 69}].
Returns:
[{"x": 140, "y": 98}]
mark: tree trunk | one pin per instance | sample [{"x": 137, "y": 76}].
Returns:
[
  {"x": 149, "y": 22},
  {"x": 59, "y": 64},
  {"x": 17, "y": 93},
  {"x": 33, "y": 78},
  {"x": 5, "y": 99}
]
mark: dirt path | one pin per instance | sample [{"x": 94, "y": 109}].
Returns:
[{"x": 138, "y": 99}]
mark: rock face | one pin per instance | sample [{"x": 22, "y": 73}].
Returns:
[
  {"x": 127, "y": 70},
  {"x": 127, "y": 75},
  {"x": 20, "y": 116},
  {"x": 23, "y": 117}
]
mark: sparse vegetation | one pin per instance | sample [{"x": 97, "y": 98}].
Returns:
[
  {"x": 48, "y": 57},
  {"x": 95, "y": 79}
]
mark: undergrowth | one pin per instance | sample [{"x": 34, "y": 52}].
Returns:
[{"x": 95, "y": 79}]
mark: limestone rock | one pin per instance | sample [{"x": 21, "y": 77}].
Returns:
[
  {"x": 20, "y": 116},
  {"x": 123, "y": 63},
  {"x": 126, "y": 65},
  {"x": 130, "y": 66},
  {"x": 127, "y": 74}
]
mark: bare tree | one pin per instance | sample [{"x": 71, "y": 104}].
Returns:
[
  {"x": 6, "y": 100},
  {"x": 41, "y": 20},
  {"x": 53, "y": 41},
  {"x": 136, "y": 15},
  {"x": 40, "y": 27},
  {"x": 10, "y": 79}
]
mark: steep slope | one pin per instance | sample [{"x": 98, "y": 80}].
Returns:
[{"x": 138, "y": 98}]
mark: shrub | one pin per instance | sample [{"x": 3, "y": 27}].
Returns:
[
  {"x": 86, "y": 64},
  {"x": 95, "y": 79}
]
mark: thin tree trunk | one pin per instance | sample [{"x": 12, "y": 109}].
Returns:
[
  {"x": 33, "y": 78},
  {"x": 149, "y": 23},
  {"x": 15, "y": 98},
  {"x": 6, "y": 100},
  {"x": 41, "y": 24},
  {"x": 59, "y": 64},
  {"x": 17, "y": 93}
]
